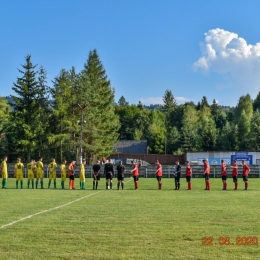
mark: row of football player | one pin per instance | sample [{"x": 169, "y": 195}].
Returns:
[
  {"x": 36, "y": 168},
  {"x": 109, "y": 173},
  {"x": 177, "y": 173},
  {"x": 206, "y": 171}
]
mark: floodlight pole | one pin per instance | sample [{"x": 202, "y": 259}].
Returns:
[
  {"x": 81, "y": 130},
  {"x": 165, "y": 142}
]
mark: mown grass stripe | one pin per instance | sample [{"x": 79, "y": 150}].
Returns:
[{"x": 51, "y": 209}]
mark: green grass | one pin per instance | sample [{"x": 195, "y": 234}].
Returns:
[{"x": 129, "y": 224}]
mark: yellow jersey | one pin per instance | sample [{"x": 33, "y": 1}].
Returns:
[
  {"x": 82, "y": 169},
  {"x": 30, "y": 167},
  {"x": 63, "y": 169},
  {"x": 19, "y": 168},
  {"x": 39, "y": 167},
  {"x": 4, "y": 167},
  {"x": 52, "y": 166}
]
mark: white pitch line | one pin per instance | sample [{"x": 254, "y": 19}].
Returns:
[
  {"x": 48, "y": 210},
  {"x": 51, "y": 209}
]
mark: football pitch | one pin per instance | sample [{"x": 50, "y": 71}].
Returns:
[{"x": 132, "y": 224}]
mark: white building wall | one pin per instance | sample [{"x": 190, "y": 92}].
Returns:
[{"x": 194, "y": 157}]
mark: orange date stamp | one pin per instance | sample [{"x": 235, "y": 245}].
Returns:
[{"x": 226, "y": 241}]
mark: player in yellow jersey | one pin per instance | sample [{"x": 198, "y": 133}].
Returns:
[
  {"x": 82, "y": 177},
  {"x": 52, "y": 175},
  {"x": 18, "y": 172},
  {"x": 4, "y": 172},
  {"x": 63, "y": 173},
  {"x": 31, "y": 172},
  {"x": 39, "y": 172}
]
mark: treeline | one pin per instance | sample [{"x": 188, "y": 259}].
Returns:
[
  {"x": 79, "y": 111},
  {"x": 175, "y": 129},
  {"x": 48, "y": 121}
]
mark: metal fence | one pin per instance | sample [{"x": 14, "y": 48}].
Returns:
[{"x": 149, "y": 171}]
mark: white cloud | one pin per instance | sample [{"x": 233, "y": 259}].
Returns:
[
  {"x": 226, "y": 53},
  {"x": 159, "y": 100},
  {"x": 182, "y": 99}
]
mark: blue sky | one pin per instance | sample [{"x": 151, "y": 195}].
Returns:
[{"x": 193, "y": 48}]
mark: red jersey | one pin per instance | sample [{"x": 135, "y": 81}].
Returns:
[
  {"x": 159, "y": 170},
  {"x": 135, "y": 170},
  {"x": 223, "y": 169},
  {"x": 235, "y": 170},
  {"x": 245, "y": 170},
  {"x": 188, "y": 170},
  {"x": 206, "y": 168}
]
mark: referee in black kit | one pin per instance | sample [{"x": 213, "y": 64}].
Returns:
[
  {"x": 96, "y": 176},
  {"x": 109, "y": 173},
  {"x": 120, "y": 175}
]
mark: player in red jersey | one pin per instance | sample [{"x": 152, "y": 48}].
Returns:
[
  {"x": 206, "y": 173},
  {"x": 135, "y": 174},
  {"x": 224, "y": 174},
  {"x": 235, "y": 173},
  {"x": 159, "y": 174},
  {"x": 188, "y": 174},
  {"x": 246, "y": 171}
]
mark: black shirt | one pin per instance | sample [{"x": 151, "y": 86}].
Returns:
[
  {"x": 120, "y": 169},
  {"x": 109, "y": 168},
  {"x": 178, "y": 169},
  {"x": 96, "y": 168}
]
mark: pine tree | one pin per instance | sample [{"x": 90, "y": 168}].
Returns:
[
  {"x": 4, "y": 113},
  {"x": 63, "y": 122},
  {"x": 254, "y": 138},
  {"x": 189, "y": 131},
  {"x": 245, "y": 103},
  {"x": 221, "y": 119},
  {"x": 27, "y": 107},
  {"x": 169, "y": 101},
  {"x": 140, "y": 105},
  {"x": 128, "y": 117},
  {"x": 95, "y": 70},
  {"x": 227, "y": 138},
  {"x": 198, "y": 107},
  {"x": 256, "y": 103},
  {"x": 141, "y": 124},
  {"x": 169, "y": 107},
  {"x": 173, "y": 140},
  {"x": 243, "y": 127},
  {"x": 102, "y": 123},
  {"x": 190, "y": 139},
  {"x": 204, "y": 102},
  {"x": 122, "y": 101},
  {"x": 44, "y": 112},
  {"x": 214, "y": 108},
  {"x": 205, "y": 113},
  {"x": 4, "y": 120},
  {"x": 209, "y": 135},
  {"x": 156, "y": 132}
]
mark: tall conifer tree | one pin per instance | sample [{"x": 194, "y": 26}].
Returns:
[
  {"x": 62, "y": 122},
  {"x": 27, "y": 107},
  {"x": 102, "y": 123},
  {"x": 256, "y": 103}
]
